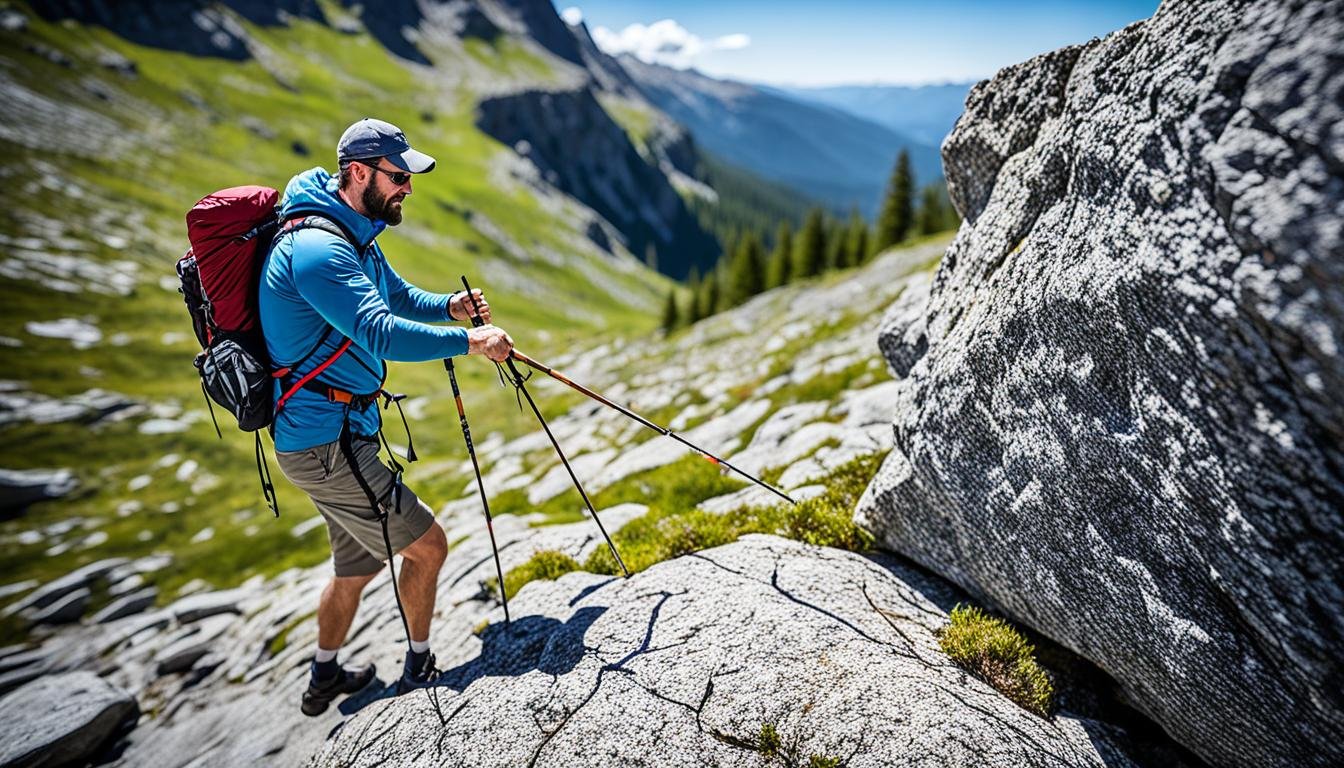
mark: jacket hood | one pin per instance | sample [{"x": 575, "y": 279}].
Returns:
[{"x": 315, "y": 191}]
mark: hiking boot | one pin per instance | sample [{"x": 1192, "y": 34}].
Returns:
[
  {"x": 417, "y": 672},
  {"x": 321, "y": 692}
]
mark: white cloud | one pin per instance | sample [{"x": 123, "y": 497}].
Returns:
[
  {"x": 732, "y": 42},
  {"x": 572, "y": 15},
  {"x": 664, "y": 42}
]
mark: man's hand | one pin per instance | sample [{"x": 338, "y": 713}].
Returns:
[
  {"x": 490, "y": 341},
  {"x": 459, "y": 307}
]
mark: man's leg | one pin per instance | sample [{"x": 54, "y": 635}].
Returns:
[
  {"x": 419, "y": 580},
  {"x": 336, "y": 609}
]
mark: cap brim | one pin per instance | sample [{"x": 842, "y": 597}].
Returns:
[{"x": 412, "y": 161}]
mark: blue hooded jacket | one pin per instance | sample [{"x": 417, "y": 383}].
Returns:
[{"x": 313, "y": 278}]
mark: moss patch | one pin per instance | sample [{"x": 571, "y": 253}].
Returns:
[
  {"x": 991, "y": 649},
  {"x": 825, "y": 520},
  {"x": 546, "y": 565}
]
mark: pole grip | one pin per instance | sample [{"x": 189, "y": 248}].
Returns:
[{"x": 476, "y": 321}]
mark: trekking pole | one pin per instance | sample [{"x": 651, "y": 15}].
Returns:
[
  {"x": 560, "y": 377},
  {"x": 518, "y": 382},
  {"x": 480, "y": 484}
]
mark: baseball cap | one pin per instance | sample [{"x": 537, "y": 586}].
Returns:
[{"x": 370, "y": 138}]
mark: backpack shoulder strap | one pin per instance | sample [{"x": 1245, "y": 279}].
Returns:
[{"x": 324, "y": 223}]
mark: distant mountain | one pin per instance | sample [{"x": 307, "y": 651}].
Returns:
[
  {"x": 925, "y": 113},
  {"x": 823, "y": 152}
]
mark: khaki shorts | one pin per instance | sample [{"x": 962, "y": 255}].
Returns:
[{"x": 357, "y": 547}]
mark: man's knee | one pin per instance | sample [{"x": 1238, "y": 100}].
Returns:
[
  {"x": 431, "y": 549},
  {"x": 353, "y": 584}
]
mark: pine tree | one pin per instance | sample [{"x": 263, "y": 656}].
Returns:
[
  {"x": 932, "y": 211},
  {"x": 693, "y": 305},
  {"x": 856, "y": 239},
  {"x": 835, "y": 244},
  {"x": 670, "y": 311},
  {"x": 709, "y": 294},
  {"x": 746, "y": 273},
  {"x": 862, "y": 244},
  {"x": 898, "y": 207},
  {"x": 781, "y": 259},
  {"x": 810, "y": 247}
]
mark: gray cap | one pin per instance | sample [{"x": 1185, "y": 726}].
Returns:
[{"x": 370, "y": 138}]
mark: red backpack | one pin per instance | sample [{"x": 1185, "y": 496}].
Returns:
[{"x": 231, "y": 232}]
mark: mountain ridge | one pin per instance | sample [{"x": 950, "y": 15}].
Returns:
[{"x": 820, "y": 150}]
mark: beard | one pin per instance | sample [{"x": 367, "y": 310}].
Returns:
[{"x": 380, "y": 206}]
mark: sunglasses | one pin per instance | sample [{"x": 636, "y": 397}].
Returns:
[{"x": 396, "y": 177}]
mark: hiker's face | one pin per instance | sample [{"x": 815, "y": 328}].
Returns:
[{"x": 381, "y": 197}]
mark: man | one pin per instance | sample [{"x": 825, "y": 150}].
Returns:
[{"x": 324, "y": 285}]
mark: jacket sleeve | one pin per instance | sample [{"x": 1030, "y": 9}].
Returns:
[
  {"x": 414, "y": 303},
  {"x": 327, "y": 274}
]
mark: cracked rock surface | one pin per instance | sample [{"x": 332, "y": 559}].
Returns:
[
  {"x": 682, "y": 664},
  {"x": 1120, "y": 417}
]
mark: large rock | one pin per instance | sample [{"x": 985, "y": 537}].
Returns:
[
  {"x": 1123, "y": 421},
  {"x": 684, "y": 663},
  {"x": 127, "y": 605},
  {"x": 56, "y": 589},
  {"x": 61, "y": 720},
  {"x": 23, "y": 487},
  {"x": 199, "y": 606},
  {"x": 65, "y": 610}
]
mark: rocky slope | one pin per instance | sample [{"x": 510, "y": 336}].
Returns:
[
  {"x": 685, "y": 663},
  {"x": 119, "y": 116},
  {"x": 1120, "y": 415}
]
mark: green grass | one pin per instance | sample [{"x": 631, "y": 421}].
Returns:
[
  {"x": 680, "y": 529},
  {"x": 788, "y": 755},
  {"x": 769, "y": 741},
  {"x": 546, "y": 565},
  {"x": 991, "y": 649},
  {"x": 634, "y": 118},
  {"x": 673, "y": 526}
]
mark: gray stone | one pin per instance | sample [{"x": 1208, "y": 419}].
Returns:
[
  {"x": 685, "y": 662},
  {"x": 126, "y": 605},
  {"x": 20, "y": 488},
  {"x": 1125, "y": 427},
  {"x": 199, "y": 606},
  {"x": 54, "y": 590},
  {"x": 11, "y": 650},
  {"x": 64, "y": 610},
  {"x": 23, "y": 658},
  {"x": 16, "y": 587},
  {"x": 131, "y": 583},
  {"x": 19, "y": 676},
  {"x": 61, "y": 719},
  {"x": 181, "y": 654},
  {"x": 302, "y": 529}
]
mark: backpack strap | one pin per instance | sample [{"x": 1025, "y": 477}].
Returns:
[{"x": 314, "y": 221}]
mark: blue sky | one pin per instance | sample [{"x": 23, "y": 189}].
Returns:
[{"x": 790, "y": 42}]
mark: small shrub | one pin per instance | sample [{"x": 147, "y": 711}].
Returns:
[
  {"x": 823, "y": 761},
  {"x": 992, "y": 650},
  {"x": 547, "y": 564},
  {"x": 770, "y": 743}
]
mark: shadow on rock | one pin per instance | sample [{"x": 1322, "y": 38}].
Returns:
[{"x": 531, "y": 642}]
